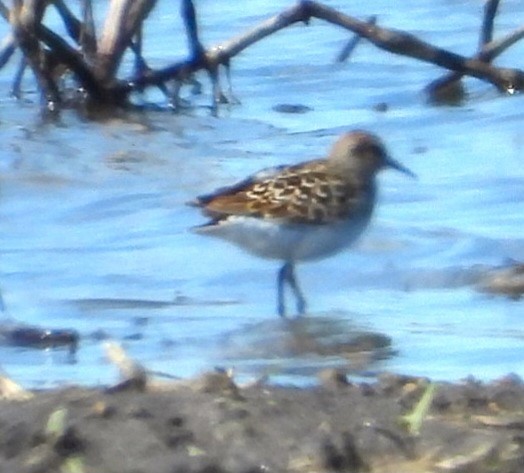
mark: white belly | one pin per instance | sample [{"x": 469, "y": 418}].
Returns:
[{"x": 288, "y": 241}]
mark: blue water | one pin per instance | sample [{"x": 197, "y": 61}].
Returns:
[{"x": 94, "y": 231}]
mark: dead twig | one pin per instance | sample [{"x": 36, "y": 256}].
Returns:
[
  {"x": 399, "y": 42},
  {"x": 73, "y": 25},
  {"x": 394, "y": 41},
  {"x": 26, "y": 17},
  {"x": 488, "y": 53},
  {"x": 132, "y": 373},
  {"x": 448, "y": 88},
  {"x": 7, "y": 49},
  {"x": 190, "y": 21},
  {"x": 88, "y": 33},
  {"x": 122, "y": 23},
  {"x": 96, "y": 68},
  {"x": 74, "y": 60},
  {"x": 4, "y": 11},
  {"x": 16, "y": 89},
  {"x": 353, "y": 42},
  {"x": 490, "y": 10}
]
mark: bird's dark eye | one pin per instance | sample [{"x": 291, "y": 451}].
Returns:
[{"x": 369, "y": 149}]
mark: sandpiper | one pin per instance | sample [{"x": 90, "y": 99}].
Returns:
[{"x": 302, "y": 212}]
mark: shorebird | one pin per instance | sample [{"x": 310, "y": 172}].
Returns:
[{"x": 301, "y": 212}]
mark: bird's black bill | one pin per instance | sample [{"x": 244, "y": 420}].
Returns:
[{"x": 390, "y": 162}]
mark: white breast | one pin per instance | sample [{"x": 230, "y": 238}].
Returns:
[{"x": 269, "y": 238}]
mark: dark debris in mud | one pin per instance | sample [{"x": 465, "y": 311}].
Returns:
[
  {"x": 211, "y": 424},
  {"x": 29, "y": 336}
]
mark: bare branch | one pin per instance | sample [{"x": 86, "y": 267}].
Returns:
[
  {"x": 74, "y": 61},
  {"x": 72, "y": 24},
  {"x": 490, "y": 10},
  {"x": 236, "y": 45},
  {"x": 218, "y": 55},
  {"x": 190, "y": 21},
  {"x": 353, "y": 42},
  {"x": 7, "y": 49},
  {"x": 399, "y": 42},
  {"x": 26, "y": 19},
  {"x": 96, "y": 67},
  {"x": 4, "y": 11},
  {"x": 122, "y": 22},
  {"x": 88, "y": 35},
  {"x": 16, "y": 89},
  {"x": 491, "y": 50},
  {"x": 141, "y": 67},
  {"x": 488, "y": 53},
  {"x": 449, "y": 89},
  {"x": 394, "y": 41}
]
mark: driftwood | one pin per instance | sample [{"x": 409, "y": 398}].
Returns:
[
  {"x": 448, "y": 88},
  {"x": 94, "y": 61}
]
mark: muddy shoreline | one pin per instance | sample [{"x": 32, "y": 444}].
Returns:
[{"x": 211, "y": 424}]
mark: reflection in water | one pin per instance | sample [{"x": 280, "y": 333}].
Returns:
[{"x": 304, "y": 345}]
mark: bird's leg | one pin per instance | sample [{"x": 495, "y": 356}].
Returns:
[
  {"x": 287, "y": 274},
  {"x": 291, "y": 279},
  {"x": 281, "y": 281}
]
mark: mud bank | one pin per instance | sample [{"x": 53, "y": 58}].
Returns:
[{"x": 210, "y": 424}]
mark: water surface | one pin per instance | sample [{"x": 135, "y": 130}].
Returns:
[{"x": 94, "y": 231}]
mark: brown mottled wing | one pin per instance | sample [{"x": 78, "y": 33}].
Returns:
[{"x": 304, "y": 193}]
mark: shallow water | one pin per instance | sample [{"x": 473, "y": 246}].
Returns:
[{"x": 94, "y": 231}]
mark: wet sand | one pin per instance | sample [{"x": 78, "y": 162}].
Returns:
[{"x": 211, "y": 424}]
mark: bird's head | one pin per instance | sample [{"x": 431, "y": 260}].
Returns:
[{"x": 363, "y": 153}]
